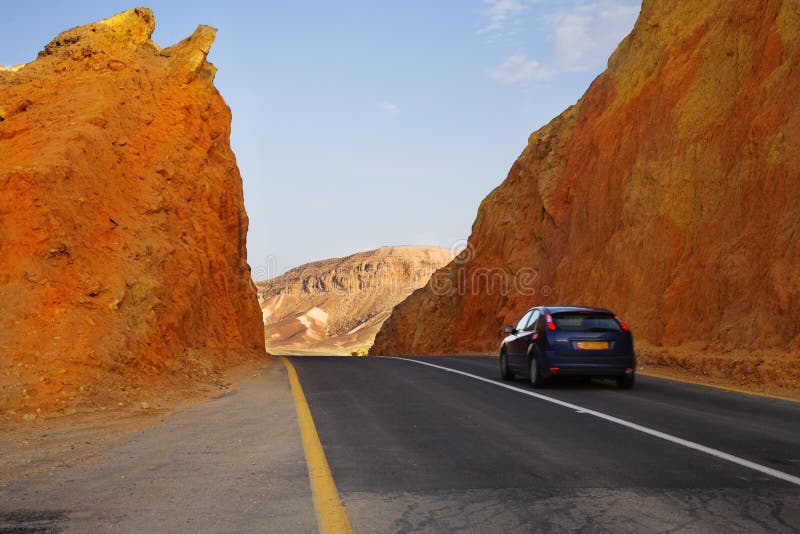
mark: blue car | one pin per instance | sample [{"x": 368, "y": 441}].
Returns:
[{"x": 550, "y": 341}]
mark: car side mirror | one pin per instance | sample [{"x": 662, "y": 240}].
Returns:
[{"x": 510, "y": 330}]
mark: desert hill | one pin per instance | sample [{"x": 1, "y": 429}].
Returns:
[
  {"x": 123, "y": 266},
  {"x": 670, "y": 192},
  {"x": 336, "y": 306}
]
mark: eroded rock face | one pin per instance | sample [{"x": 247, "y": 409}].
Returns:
[
  {"x": 670, "y": 193},
  {"x": 122, "y": 225},
  {"x": 336, "y": 306}
]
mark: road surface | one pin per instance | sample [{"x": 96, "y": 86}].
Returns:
[
  {"x": 417, "y": 448},
  {"x": 413, "y": 447}
]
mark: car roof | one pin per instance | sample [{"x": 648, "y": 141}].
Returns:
[{"x": 580, "y": 309}]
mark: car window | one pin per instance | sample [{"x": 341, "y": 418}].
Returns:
[
  {"x": 524, "y": 321},
  {"x": 533, "y": 320},
  {"x": 586, "y": 322}
]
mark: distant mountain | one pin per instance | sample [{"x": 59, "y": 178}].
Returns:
[{"x": 336, "y": 306}]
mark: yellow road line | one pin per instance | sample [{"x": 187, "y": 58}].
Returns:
[
  {"x": 717, "y": 386},
  {"x": 331, "y": 515}
]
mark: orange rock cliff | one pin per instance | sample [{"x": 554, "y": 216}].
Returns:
[
  {"x": 670, "y": 193},
  {"x": 122, "y": 224}
]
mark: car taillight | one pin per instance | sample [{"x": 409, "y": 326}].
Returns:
[
  {"x": 550, "y": 324},
  {"x": 622, "y": 324}
]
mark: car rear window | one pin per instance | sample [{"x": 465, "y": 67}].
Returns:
[{"x": 586, "y": 322}]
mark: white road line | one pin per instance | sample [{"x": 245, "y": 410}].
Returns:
[{"x": 667, "y": 437}]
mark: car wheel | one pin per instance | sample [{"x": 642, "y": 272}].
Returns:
[
  {"x": 626, "y": 381},
  {"x": 537, "y": 380},
  {"x": 505, "y": 371}
]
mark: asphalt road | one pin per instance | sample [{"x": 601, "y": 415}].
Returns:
[{"x": 414, "y": 448}]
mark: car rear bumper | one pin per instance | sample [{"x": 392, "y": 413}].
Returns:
[
  {"x": 589, "y": 366},
  {"x": 589, "y": 370}
]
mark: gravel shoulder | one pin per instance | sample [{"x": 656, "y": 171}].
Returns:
[{"x": 234, "y": 462}]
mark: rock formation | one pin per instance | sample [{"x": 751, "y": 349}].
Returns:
[
  {"x": 336, "y": 306},
  {"x": 122, "y": 225},
  {"x": 670, "y": 193}
]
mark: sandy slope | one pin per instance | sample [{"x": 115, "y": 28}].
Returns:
[{"x": 336, "y": 306}]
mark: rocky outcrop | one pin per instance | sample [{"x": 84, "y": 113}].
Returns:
[
  {"x": 336, "y": 306},
  {"x": 122, "y": 225},
  {"x": 669, "y": 193}
]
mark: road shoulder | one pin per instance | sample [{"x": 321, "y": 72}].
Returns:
[{"x": 231, "y": 463}]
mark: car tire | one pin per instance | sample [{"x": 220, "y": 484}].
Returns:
[
  {"x": 537, "y": 380},
  {"x": 505, "y": 370},
  {"x": 626, "y": 381}
]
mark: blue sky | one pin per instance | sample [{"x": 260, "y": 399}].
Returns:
[{"x": 358, "y": 124}]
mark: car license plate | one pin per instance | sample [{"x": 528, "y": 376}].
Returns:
[{"x": 593, "y": 345}]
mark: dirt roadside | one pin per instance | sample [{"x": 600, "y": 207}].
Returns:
[
  {"x": 53, "y": 442},
  {"x": 770, "y": 373},
  {"x": 233, "y": 463}
]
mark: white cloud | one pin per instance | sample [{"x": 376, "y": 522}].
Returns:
[
  {"x": 499, "y": 12},
  {"x": 519, "y": 69},
  {"x": 389, "y": 108},
  {"x": 585, "y": 36}
]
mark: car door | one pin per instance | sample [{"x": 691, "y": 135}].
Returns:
[
  {"x": 517, "y": 347},
  {"x": 527, "y": 337}
]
